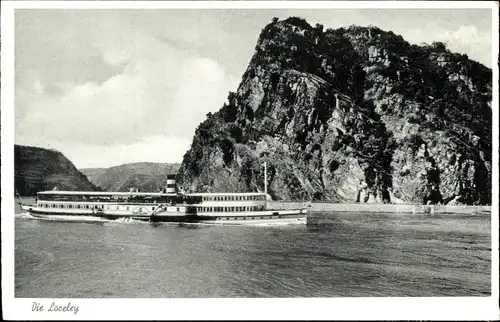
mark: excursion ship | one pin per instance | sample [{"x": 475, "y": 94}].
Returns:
[{"x": 166, "y": 206}]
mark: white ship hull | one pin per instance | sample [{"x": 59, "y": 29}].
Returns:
[
  {"x": 72, "y": 218},
  {"x": 289, "y": 216},
  {"x": 236, "y": 218},
  {"x": 80, "y": 214},
  {"x": 252, "y": 222}
]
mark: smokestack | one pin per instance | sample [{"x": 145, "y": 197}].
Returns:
[{"x": 171, "y": 185}]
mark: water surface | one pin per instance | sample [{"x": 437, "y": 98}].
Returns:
[{"x": 335, "y": 255}]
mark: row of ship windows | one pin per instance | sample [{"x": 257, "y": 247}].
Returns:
[
  {"x": 247, "y": 218},
  {"x": 47, "y": 205},
  {"x": 230, "y": 209},
  {"x": 97, "y": 199},
  {"x": 199, "y": 209},
  {"x": 232, "y": 198}
]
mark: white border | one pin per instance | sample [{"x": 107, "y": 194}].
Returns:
[
  {"x": 434, "y": 308},
  {"x": 253, "y": 4}
]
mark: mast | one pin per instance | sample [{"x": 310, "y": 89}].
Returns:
[
  {"x": 265, "y": 178},
  {"x": 265, "y": 183}
]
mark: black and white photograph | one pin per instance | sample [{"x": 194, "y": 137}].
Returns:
[{"x": 174, "y": 157}]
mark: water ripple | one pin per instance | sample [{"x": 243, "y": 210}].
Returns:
[{"x": 334, "y": 255}]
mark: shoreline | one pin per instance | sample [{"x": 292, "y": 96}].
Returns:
[
  {"x": 375, "y": 208},
  {"x": 382, "y": 208}
]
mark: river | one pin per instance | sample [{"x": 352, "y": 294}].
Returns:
[{"x": 335, "y": 255}]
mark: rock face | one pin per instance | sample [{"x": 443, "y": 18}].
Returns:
[
  {"x": 38, "y": 169},
  {"x": 145, "y": 176},
  {"x": 349, "y": 115}
]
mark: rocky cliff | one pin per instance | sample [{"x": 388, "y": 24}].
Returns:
[
  {"x": 38, "y": 169},
  {"x": 145, "y": 176},
  {"x": 349, "y": 115}
]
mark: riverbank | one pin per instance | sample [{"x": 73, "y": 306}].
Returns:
[
  {"x": 382, "y": 208},
  {"x": 357, "y": 207}
]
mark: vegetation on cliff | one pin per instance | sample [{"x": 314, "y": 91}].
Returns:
[
  {"x": 350, "y": 115},
  {"x": 38, "y": 169}
]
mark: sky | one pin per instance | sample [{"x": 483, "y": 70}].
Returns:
[{"x": 108, "y": 87}]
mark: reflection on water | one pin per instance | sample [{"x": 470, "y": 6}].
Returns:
[{"x": 343, "y": 254}]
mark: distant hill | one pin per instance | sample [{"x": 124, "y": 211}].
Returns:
[
  {"x": 38, "y": 169},
  {"x": 146, "y": 176},
  {"x": 93, "y": 174}
]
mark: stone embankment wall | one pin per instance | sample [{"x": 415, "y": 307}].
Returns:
[{"x": 381, "y": 208}]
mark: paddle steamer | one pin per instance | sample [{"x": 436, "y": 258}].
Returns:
[{"x": 166, "y": 206}]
